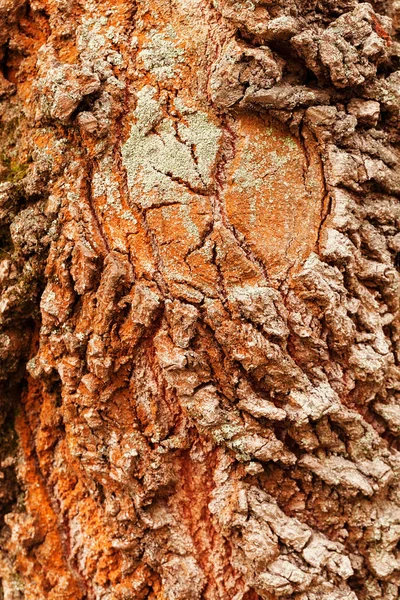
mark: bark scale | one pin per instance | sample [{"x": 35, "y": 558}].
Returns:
[{"x": 199, "y": 300}]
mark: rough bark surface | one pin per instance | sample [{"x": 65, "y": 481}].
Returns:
[{"x": 199, "y": 283}]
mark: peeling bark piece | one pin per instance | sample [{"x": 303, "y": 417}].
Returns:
[
  {"x": 258, "y": 406},
  {"x": 313, "y": 403},
  {"x": 239, "y": 67},
  {"x": 285, "y": 96},
  {"x": 336, "y": 470},
  {"x": 226, "y": 427},
  {"x": 262, "y": 306},
  {"x": 367, "y": 112},
  {"x": 391, "y": 413},
  {"x": 291, "y": 532},
  {"x": 349, "y": 48},
  {"x": 84, "y": 268},
  {"x": 322, "y": 552}
]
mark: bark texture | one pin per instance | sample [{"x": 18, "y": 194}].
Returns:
[{"x": 199, "y": 282}]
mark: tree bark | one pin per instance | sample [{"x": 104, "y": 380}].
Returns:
[{"x": 199, "y": 280}]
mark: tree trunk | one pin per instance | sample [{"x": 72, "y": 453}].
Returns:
[{"x": 199, "y": 282}]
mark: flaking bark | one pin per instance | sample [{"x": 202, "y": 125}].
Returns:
[{"x": 199, "y": 275}]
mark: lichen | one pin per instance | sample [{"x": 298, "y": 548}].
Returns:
[
  {"x": 254, "y": 169},
  {"x": 161, "y": 55},
  {"x": 160, "y": 162},
  {"x": 204, "y": 136},
  {"x": 148, "y": 112}
]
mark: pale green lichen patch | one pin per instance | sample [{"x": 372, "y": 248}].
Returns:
[
  {"x": 290, "y": 143},
  {"x": 154, "y": 159},
  {"x": 161, "y": 55},
  {"x": 190, "y": 225},
  {"x": 254, "y": 170},
  {"x": 204, "y": 136},
  {"x": 164, "y": 161},
  {"x": 245, "y": 178},
  {"x": 148, "y": 112}
]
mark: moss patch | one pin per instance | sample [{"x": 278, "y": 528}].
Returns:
[{"x": 12, "y": 171}]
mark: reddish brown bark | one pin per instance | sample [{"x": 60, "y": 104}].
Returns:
[{"x": 199, "y": 300}]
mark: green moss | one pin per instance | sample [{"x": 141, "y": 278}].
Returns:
[
  {"x": 16, "y": 172},
  {"x": 13, "y": 171}
]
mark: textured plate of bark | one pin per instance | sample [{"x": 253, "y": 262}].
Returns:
[{"x": 199, "y": 313}]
